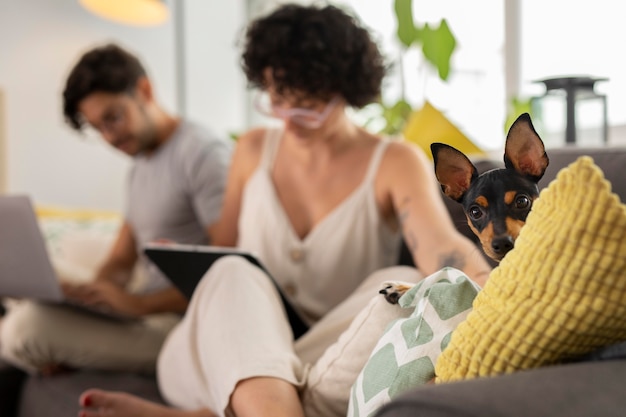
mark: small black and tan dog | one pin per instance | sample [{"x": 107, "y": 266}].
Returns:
[{"x": 498, "y": 201}]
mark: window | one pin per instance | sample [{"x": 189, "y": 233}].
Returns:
[
  {"x": 575, "y": 37},
  {"x": 473, "y": 97}
]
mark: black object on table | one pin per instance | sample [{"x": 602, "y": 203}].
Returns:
[{"x": 576, "y": 88}]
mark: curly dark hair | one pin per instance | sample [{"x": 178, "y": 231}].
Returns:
[
  {"x": 108, "y": 69},
  {"x": 314, "y": 50}
]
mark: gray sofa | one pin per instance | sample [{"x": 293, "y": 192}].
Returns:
[
  {"x": 576, "y": 390},
  {"x": 590, "y": 386}
]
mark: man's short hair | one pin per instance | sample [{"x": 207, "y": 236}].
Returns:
[{"x": 108, "y": 69}]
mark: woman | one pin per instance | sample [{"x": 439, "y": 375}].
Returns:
[{"x": 322, "y": 201}]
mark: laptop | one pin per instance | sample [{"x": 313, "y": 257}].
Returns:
[
  {"x": 25, "y": 267},
  {"x": 184, "y": 265}
]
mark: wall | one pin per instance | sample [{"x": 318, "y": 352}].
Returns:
[
  {"x": 2, "y": 145},
  {"x": 41, "y": 39},
  {"x": 214, "y": 84}
]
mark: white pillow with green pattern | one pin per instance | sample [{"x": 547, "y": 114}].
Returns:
[{"x": 406, "y": 353}]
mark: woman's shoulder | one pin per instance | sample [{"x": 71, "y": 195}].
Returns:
[
  {"x": 252, "y": 139},
  {"x": 399, "y": 150},
  {"x": 403, "y": 158},
  {"x": 249, "y": 149},
  {"x": 251, "y": 143}
]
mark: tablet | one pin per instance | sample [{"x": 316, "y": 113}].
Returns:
[{"x": 184, "y": 265}]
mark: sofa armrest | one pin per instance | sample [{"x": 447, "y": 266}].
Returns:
[{"x": 575, "y": 390}]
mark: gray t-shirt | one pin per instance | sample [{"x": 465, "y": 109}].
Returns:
[{"x": 176, "y": 192}]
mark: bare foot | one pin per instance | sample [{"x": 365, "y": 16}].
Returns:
[{"x": 98, "y": 403}]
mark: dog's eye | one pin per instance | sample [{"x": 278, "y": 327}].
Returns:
[
  {"x": 475, "y": 212},
  {"x": 522, "y": 202}
]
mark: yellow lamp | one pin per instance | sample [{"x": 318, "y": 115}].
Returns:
[
  {"x": 130, "y": 12},
  {"x": 429, "y": 125}
]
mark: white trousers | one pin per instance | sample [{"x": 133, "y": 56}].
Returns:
[
  {"x": 34, "y": 335},
  {"x": 235, "y": 328}
]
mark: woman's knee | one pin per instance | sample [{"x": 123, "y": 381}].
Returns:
[{"x": 231, "y": 274}]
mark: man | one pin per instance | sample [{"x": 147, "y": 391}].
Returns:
[{"x": 175, "y": 193}]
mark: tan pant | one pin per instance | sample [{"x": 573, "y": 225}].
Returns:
[
  {"x": 235, "y": 329},
  {"x": 34, "y": 335}
]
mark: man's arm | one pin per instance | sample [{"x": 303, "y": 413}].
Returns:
[
  {"x": 426, "y": 225},
  {"x": 108, "y": 288},
  {"x": 109, "y": 295},
  {"x": 205, "y": 173},
  {"x": 118, "y": 267}
]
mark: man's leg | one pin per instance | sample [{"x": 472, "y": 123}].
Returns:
[{"x": 36, "y": 337}]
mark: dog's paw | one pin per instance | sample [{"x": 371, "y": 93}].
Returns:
[{"x": 393, "y": 290}]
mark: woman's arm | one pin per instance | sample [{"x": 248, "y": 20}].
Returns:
[{"x": 426, "y": 225}]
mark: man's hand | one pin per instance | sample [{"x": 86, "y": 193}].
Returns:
[{"x": 105, "y": 295}]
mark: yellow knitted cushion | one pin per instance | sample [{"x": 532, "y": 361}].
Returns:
[{"x": 559, "y": 294}]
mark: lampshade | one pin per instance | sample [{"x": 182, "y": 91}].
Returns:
[{"x": 130, "y": 12}]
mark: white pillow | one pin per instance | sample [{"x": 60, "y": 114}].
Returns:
[
  {"x": 406, "y": 354},
  {"x": 79, "y": 241},
  {"x": 327, "y": 389}
]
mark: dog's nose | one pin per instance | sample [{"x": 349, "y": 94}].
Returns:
[{"x": 501, "y": 245}]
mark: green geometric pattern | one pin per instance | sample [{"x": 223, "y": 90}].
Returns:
[{"x": 406, "y": 353}]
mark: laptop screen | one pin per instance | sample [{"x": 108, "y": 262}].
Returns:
[{"x": 25, "y": 267}]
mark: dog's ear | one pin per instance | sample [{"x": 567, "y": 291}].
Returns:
[
  {"x": 453, "y": 169},
  {"x": 524, "y": 151}
]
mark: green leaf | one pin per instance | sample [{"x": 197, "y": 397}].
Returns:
[
  {"x": 395, "y": 117},
  {"x": 407, "y": 33},
  {"x": 438, "y": 45},
  {"x": 517, "y": 106}
]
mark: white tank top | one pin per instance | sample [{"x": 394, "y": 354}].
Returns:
[{"x": 318, "y": 272}]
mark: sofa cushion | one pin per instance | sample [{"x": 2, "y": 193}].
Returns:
[
  {"x": 329, "y": 380},
  {"x": 611, "y": 160},
  {"x": 405, "y": 355},
  {"x": 560, "y": 293},
  {"x": 79, "y": 241}
]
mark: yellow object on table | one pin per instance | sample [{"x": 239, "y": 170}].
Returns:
[{"x": 429, "y": 125}]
